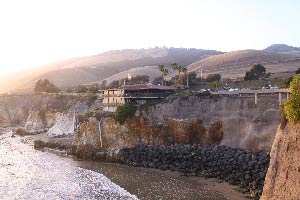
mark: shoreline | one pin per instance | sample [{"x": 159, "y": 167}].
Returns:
[
  {"x": 30, "y": 174},
  {"x": 229, "y": 191},
  {"x": 222, "y": 190},
  {"x": 211, "y": 184}
]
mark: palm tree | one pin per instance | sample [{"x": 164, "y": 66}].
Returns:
[
  {"x": 180, "y": 70},
  {"x": 184, "y": 71},
  {"x": 177, "y": 68},
  {"x": 164, "y": 72}
]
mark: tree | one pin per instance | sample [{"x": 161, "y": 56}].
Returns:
[
  {"x": 288, "y": 81},
  {"x": 292, "y": 106},
  {"x": 93, "y": 89},
  {"x": 213, "y": 77},
  {"x": 124, "y": 111},
  {"x": 45, "y": 86},
  {"x": 103, "y": 84},
  {"x": 184, "y": 70},
  {"x": 114, "y": 84},
  {"x": 157, "y": 80},
  {"x": 164, "y": 72},
  {"x": 140, "y": 79},
  {"x": 82, "y": 89},
  {"x": 193, "y": 80},
  {"x": 215, "y": 85},
  {"x": 177, "y": 68},
  {"x": 257, "y": 72}
]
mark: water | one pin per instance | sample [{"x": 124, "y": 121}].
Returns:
[
  {"x": 151, "y": 184},
  {"x": 30, "y": 174},
  {"x": 26, "y": 173}
]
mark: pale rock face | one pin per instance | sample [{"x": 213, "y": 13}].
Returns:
[
  {"x": 41, "y": 119},
  {"x": 37, "y": 113},
  {"x": 283, "y": 177},
  {"x": 64, "y": 125}
]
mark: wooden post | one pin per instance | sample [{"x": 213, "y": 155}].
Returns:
[
  {"x": 255, "y": 98},
  {"x": 287, "y": 96},
  {"x": 280, "y": 98}
]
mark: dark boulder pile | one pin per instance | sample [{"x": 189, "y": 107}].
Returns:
[{"x": 247, "y": 169}]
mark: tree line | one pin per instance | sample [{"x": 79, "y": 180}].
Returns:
[{"x": 182, "y": 77}]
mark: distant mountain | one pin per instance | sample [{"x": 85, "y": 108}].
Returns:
[
  {"x": 95, "y": 68},
  {"x": 234, "y": 64},
  {"x": 282, "y": 48},
  {"x": 117, "y": 64}
]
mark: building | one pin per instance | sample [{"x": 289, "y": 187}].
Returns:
[{"x": 140, "y": 94}]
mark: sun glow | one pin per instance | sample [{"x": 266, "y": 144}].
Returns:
[{"x": 35, "y": 32}]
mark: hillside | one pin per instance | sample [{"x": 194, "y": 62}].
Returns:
[
  {"x": 235, "y": 64},
  {"x": 95, "y": 68},
  {"x": 151, "y": 71},
  {"x": 282, "y": 48}
]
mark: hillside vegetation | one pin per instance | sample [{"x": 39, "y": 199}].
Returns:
[
  {"x": 95, "y": 68},
  {"x": 279, "y": 60},
  {"x": 235, "y": 64}
]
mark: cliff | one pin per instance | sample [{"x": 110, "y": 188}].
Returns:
[
  {"x": 244, "y": 123},
  {"x": 233, "y": 121},
  {"x": 139, "y": 130},
  {"x": 38, "y": 113},
  {"x": 283, "y": 176}
]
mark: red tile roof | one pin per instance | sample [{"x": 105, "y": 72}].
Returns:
[{"x": 147, "y": 87}]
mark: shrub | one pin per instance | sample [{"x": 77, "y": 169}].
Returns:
[
  {"x": 92, "y": 113},
  {"x": 213, "y": 77},
  {"x": 45, "y": 86},
  {"x": 283, "y": 120},
  {"x": 292, "y": 106},
  {"x": 181, "y": 93},
  {"x": 124, "y": 111},
  {"x": 257, "y": 72}
]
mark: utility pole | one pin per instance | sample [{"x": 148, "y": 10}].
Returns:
[
  {"x": 187, "y": 80},
  {"x": 201, "y": 75}
]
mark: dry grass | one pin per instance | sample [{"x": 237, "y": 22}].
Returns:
[{"x": 235, "y": 64}]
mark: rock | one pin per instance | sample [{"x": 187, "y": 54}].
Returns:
[
  {"x": 233, "y": 165},
  {"x": 22, "y": 132},
  {"x": 38, "y": 144}
]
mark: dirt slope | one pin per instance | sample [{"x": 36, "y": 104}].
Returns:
[{"x": 235, "y": 64}]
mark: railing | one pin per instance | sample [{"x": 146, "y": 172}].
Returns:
[
  {"x": 137, "y": 95},
  {"x": 263, "y": 91},
  {"x": 146, "y": 95},
  {"x": 110, "y": 95}
]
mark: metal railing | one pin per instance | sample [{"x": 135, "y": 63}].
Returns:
[{"x": 262, "y": 91}]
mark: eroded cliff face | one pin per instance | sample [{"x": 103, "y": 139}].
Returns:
[
  {"x": 245, "y": 124},
  {"x": 41, "y": 119},
  {"x": 39, "y": 113},
  {"x": 140, "y": 130},
  {"x": 283, "y": 177},
  {"x": 227, "y": 120}
]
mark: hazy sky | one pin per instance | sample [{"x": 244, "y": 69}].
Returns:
[{"x": 35, "y": 32}]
